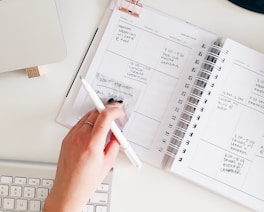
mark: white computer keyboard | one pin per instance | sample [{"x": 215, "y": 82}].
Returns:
[
  {"x": 19, "y": 193},
  {"x": 25, "y": 188}
]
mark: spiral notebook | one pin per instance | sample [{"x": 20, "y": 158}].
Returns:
[{"x": 194, "y": 101}]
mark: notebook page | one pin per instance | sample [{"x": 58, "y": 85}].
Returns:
[
  {"x": 141, "y": 61},
  {"x": 226, "y": 152}
]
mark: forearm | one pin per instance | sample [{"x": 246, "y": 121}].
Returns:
[{"x": 84, "y": 161}]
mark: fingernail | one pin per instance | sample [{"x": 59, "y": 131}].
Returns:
[
  {"x": 120, "y": 101},
  {"x": 110, "y": 100}
]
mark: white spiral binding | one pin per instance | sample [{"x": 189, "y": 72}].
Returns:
[{"x": 197, "y": 90}]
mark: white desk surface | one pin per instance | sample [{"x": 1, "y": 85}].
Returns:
[{"x": 29, "y": 107}]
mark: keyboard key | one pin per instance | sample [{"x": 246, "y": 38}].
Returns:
[
  {"x": 20, "y": 180},
  {"x": 34, "y": 181},
  {"x": 3, "y": 190},
  {"x": 16, "y": 191},
  {"x": 8, "y": 203},
  {"x": 47, "y": 183},
  {"x": 103, "y": 187},
  {"x": 21, "y": 204},
  {"x": 34, "y": 205},
  {"x": 29, "y": 192},
  {"x": 100, "y": 198},
  {"x": 42, "y": 193},
  {"x": 100, "y": 208},
  {"x": 88, "y": 208},
  {"x": 6, "y": 180}
]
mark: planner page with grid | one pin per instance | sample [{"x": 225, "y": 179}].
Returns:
[
  {"x": 225, "y": 150},
  {"x": 169, "y": 74},
  {"x": 141, "y": 61}
]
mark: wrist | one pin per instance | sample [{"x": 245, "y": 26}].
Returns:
[
  {"x": 60, "y": 202},
  {"x": 52, "y": 205}
]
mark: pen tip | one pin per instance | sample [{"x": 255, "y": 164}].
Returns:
[{"x": 81, "y": 77}]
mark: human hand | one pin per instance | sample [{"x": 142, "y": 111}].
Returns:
[{"x": 84, "y": 160}]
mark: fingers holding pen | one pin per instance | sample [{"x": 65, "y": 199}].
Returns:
[
  {"x": 93, "y": 128},
  {"x": 103, "y": 123},
  {"x": 90, "y": 119},
  {"x": 91, "y": 115}
]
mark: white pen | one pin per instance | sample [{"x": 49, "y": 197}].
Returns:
[{"x": 132, "y": 156}]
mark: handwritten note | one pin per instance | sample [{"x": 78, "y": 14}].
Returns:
[
  {"x": 171, "y": 57},
  {"x": 232, "y": 164},
  {"x": 225, "y": 104},
  {"x": 260, "y": 151},
  {"x": 125, "y": 34},
  {"x": 107, "y": 88},
  {"x": 259, "y": 87},
  {"x": 242, "y": 145},
  {"x": 138, "y": 72}
]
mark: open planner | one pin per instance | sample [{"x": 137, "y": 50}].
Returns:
[{"x": 194, "y": 101}]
